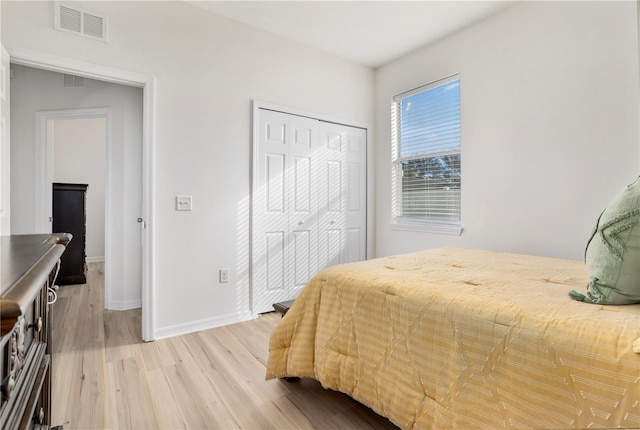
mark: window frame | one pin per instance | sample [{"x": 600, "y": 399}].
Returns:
[{"x": 398, "y": 220}]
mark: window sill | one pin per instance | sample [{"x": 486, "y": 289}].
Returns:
[{"x": 427, "y": 228}]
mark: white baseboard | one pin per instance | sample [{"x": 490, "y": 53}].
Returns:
[
  {"x": 204, "y": 324},
  {"x": 95, "y": 259},
  {"x": 124, "y": 305}
]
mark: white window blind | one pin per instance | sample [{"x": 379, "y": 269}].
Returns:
[{"x": 426, "y": 155}]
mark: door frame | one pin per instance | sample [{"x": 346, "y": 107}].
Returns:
[
  {"x": 44, "y": 158},
  {"x": 5, "y": 143},
  {"x": 256, "y": 106},
  {"x": 66, "y": 65},
  {"x": 44, "y": 177}
]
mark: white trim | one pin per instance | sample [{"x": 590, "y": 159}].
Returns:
[
  {"x": 58, "y": 64},
  {"x": 257, "y": 104},
  {"x": 428, "y": 228},
  {"x": 95, "y": 260},
  {"x": 5, "y": 143},
  {"x": 54, "y": 63},
  {"x": 125, "y": 305},
  {"x": 203, "y": 324},
  {"x": 422, "y": 88},
  {"x": 253, "y": 180},
  {"x": 148, "y": 213}
]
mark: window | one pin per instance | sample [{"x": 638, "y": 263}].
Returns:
[{"x": 426, "y": 156}]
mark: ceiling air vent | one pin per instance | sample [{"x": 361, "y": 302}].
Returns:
[{"x": 71, "y": 19}]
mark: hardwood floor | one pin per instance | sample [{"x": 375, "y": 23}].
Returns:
[{"x": 104, "y": 376}]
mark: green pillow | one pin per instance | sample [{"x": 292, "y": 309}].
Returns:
[{"x": 613, "y": 252}]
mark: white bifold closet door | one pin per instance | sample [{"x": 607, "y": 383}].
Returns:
[
  {"x": 342, "y": 192},
  {"x": 308, "y": 203}
]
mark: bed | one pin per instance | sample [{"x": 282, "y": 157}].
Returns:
[{"x": 465, "y": 339}]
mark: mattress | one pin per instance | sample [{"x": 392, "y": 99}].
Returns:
[{"x": 465, "y": 339}]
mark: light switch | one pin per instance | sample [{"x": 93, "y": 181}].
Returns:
[{"x": 183, "y": 203}]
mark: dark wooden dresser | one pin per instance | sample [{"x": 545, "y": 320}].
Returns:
[
  {"x": 69, "y": 216},
  {"x": 29, "y": 264}
]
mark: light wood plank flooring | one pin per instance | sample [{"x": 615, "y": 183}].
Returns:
[{"x": 104, "y": 376}]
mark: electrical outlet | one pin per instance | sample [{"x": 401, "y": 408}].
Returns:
[{"x": 224, "y": 276}]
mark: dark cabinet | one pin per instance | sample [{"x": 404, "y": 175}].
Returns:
[
  {"x": 69, "y": 216},
  {"x": 28, "y": 265}
]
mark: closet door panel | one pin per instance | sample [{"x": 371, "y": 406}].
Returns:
[
  {"x": 330, "y": 247},
  {"x": 302, "y": 185},
  {"x": 354, "y": 140},
  {"x": 274, "y": 183},
  {"x": 275, "y": 260},
  {"x": 354, "y": 179},
  {"x": 342, "y": 209},
  {"x": 302, "y": 181},
  {"x": 301, "y": 258},
  {"x": 333, "y": 140},
  {"x": 274, "y": 227},
  {"x": 270, "y": 200},
  {"x": 303, "y": 223},
  {"x": 303, "y": 197},
  {"x": 331, "y": 182},
  {"x": 275, "y": 129},
  {"x": 354, "y": 250},
  {"x": 304, "y": 134}
]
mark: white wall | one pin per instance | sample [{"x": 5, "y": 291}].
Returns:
[
  {"x": 207, "y": 69},
  {"x": 549, "y": 94},
  {"x": 79, "y": 155}
]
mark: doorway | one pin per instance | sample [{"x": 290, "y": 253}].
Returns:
[
  {"x": 69, "y": 150},
  {"x": 144, "y": 170},
  {"x": 121, "y": 190},
  {"x": 86, "y": 138},
  {"x": 82, "y": 133}
]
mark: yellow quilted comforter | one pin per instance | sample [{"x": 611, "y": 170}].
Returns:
[{"x": 465, "y": 339}]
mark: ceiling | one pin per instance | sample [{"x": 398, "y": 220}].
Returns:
[{"x": 371, "y": 33}]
